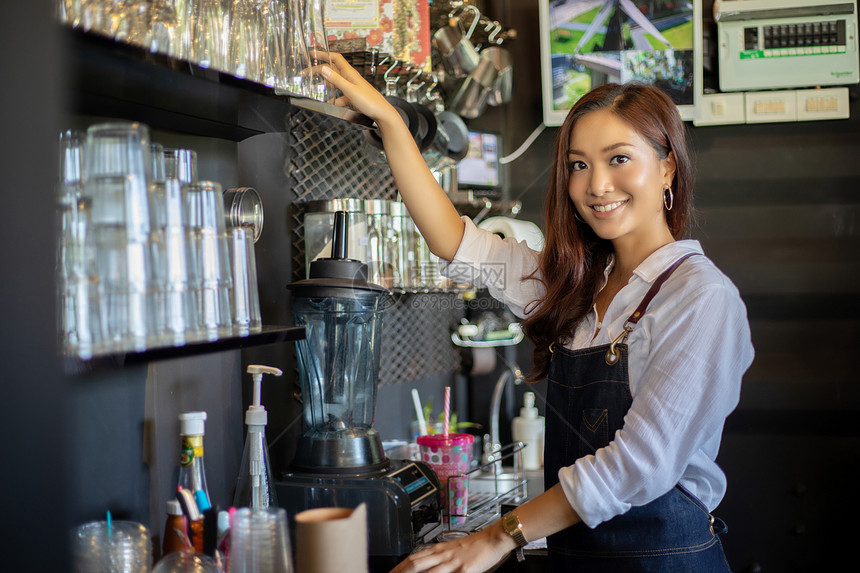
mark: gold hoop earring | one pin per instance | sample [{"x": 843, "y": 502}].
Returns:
[{"x": 668, "y": 198}]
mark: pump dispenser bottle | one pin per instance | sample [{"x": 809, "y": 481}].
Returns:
[
  {"x": 528, "y": 428},
  {"x": 254, "y": 486}
]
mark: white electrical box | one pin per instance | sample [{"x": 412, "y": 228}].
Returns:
[{"x": 772, "y": 44}]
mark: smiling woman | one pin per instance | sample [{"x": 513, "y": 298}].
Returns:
[{"x": 643, "y": 341}]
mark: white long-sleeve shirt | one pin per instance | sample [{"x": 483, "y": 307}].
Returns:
[{"x": 687, "y": 356}]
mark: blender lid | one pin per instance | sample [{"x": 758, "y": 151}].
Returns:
[{"x": 338, "y": 275}]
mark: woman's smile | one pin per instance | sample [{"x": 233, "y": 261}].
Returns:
[{"x": 608, "y": 208}]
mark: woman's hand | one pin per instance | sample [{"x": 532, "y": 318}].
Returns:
[
  {"x": 358, "y": 93},
  {"x": 475, "y": 553}
]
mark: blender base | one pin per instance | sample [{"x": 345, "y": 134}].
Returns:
[{"x": 403, "y": 505}]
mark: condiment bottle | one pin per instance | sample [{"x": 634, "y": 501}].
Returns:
[
  {"x": 192, "y": 471},
  {"x": 175, "y": 532}
]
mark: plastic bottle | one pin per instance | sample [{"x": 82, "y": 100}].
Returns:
[
  {"x": 192, "y": 471},
  {"x": 528, "y": 428},
  {"x": 254, "y": 484}
]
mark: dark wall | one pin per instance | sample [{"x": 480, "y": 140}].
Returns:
[{"x": 779, "y": 213}]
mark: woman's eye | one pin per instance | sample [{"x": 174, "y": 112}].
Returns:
[
  {"x": 619, "y": 159},
  {"x": 576, "y": 165}
]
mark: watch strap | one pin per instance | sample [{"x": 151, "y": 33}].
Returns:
[{"x": 512, "y": 526}]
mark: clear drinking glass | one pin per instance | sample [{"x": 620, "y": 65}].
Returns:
[
  {"x": 297, "y": 61},
  {"x": 210, "y": 257},
  {"x": 245, "y": 299},
  {"x": 208, "y": 48},
  {"x": 156, "y": 152},
  {"x": 185, "y": 13},
  {"x": 317, "y": 45},
  {"x": 163, "y": 27},
  {"x": 77, "y": 281},
  {"x": 181, "y": 164},
  {"x": 260, "y": 541},
  {"x": 245, "y": 52},
  {"x": 273, "y": 69},
  {"x": 176, "y": 313},
  {"x": 117, "y": 167}
]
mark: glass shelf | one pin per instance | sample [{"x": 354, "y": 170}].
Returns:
[{"x": 268, "y": 335}]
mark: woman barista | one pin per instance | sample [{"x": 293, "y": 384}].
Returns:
[{"x": 642, "y": 339}]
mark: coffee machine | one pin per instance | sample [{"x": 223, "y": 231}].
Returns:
[{"x": 339, "y": 460}]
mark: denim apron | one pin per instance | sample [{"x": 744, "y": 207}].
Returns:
[{"x": 588, "y": 396}]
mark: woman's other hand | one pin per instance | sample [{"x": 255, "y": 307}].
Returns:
[{"x": 476, "y": 553}]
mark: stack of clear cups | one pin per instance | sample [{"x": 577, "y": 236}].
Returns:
[
  {"x": 117, "y": 167},
  {"x": 77, "y": 281},
  {"x": 111, "y": 546},
  {"x": 260, "y": 542},
  {"x": 245, "y": 299},
  {"x": 210, "y": 258},
  {"x": 177, "y": 314}
]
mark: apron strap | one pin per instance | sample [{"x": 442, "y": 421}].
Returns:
[
  {"x": 611, "y": 355},
  {"x": 652, "y": 292}
]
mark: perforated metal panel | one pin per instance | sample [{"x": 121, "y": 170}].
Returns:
[{"x": 330, "y": 158}]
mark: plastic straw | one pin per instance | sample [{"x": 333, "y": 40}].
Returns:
[
  {"x": 422, "y": 423},
  {"x": 447, "y": 410}
]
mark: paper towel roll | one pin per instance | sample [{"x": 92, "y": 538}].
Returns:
[
  {"x": 483, "y": 361},
  {"x": 515, "y": 229},
  {"x": 332, "y": 539}
]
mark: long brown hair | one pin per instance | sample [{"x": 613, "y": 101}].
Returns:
[{"x": 573, "y": 259}]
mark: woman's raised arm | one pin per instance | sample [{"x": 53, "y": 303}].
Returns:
[{"x": 431, "y": 209}]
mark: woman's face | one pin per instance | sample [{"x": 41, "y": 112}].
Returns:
[{"x": 617, "y": 179}]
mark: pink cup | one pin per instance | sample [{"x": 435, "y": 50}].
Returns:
[{"x": 450, "y": 457}]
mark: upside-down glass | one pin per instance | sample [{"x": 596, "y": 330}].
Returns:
[
  {"x": 208, "y": 48},
  {"x": 297, "y": 62},
  {"x": 181, "y": 164},
  {"x": 210, "y": 257},
  {"x": 163, "y": 30},
  {"x": 77, "y": 281},
  {"x": 245, "y": 299},
  {"x": 176, "y": 314},
  {"x": 317, "y": 45},
  {"x": 245, "y": 51}
]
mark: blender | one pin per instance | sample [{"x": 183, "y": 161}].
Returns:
[{"x": 339, "y": 460}]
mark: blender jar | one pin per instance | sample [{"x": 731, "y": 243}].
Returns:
[{"x": 338, "y": 362}]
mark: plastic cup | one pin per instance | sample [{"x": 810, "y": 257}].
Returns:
[
  {"x": 124, "y": 547},
  {"x": 450, "y": 456},
  {"x": 186, "y": 561},
  {"x": 260, "y": 541}
]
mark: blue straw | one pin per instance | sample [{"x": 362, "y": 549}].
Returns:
[{"x": 108, "y": 522}]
